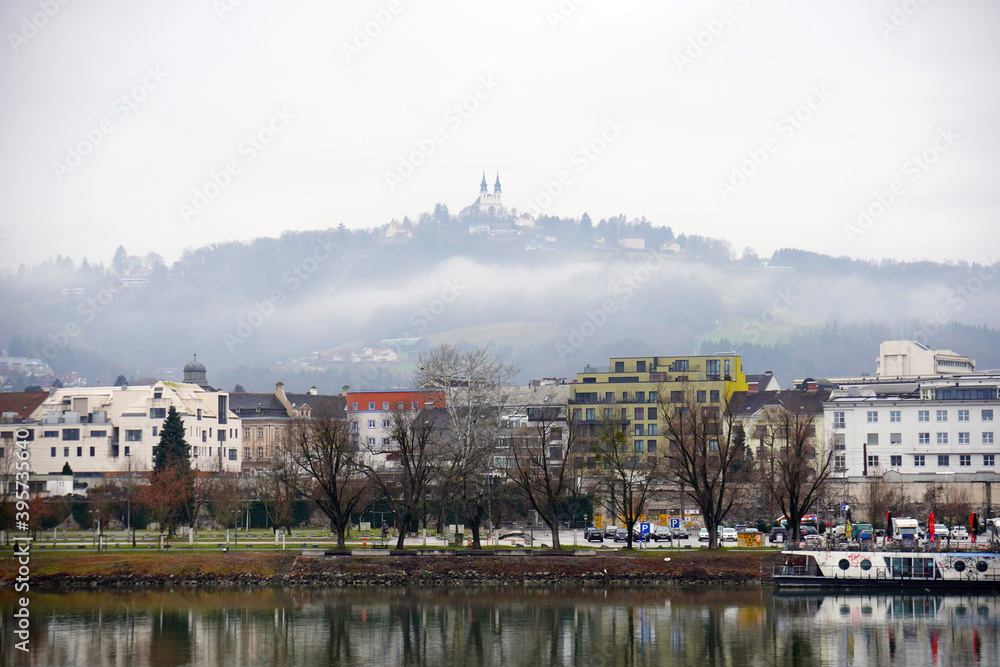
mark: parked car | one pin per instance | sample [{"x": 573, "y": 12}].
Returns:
[
  {"x": 609, "y": 532},
  {"x": 940, "y": 531},
  {"x": 593, "y": 534},
  {"x": 680, "y": 533},
  {"x": 703, "y": 535},
  {"x": 660, "y": 533},
  {"x": 621, "y": 535},
  {"x": 729, "y": 534},
  {"x": 959, "y": 533},
  {"x": 778, "y": 536}
]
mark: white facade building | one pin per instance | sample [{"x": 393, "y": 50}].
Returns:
[
  {"x": 943, "y": 429},
  {"x": 113, "y": 429},
  {"x": 907, "y": 358}
]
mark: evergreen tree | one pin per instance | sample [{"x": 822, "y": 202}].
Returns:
[
  {"x": 120, "y": 380},
  {"x": 238, "y": 389},
  {"x": 173, "y": 450},
  {"x": 66, "y": 470}
]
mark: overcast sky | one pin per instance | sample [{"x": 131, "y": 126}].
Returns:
[{"x": 168, "y": 125}]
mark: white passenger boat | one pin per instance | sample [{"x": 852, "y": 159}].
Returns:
[{"x": 889, "y": 568}]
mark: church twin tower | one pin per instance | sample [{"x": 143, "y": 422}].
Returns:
[{"x": 488, "y": 204}]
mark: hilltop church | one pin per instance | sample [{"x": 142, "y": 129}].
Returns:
[{"x": 487, "y": 205}]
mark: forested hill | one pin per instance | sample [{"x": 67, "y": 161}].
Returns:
[{"x": 551, "y": 298}]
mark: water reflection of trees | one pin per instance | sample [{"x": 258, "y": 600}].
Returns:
[{"x": 619, "y": 628}]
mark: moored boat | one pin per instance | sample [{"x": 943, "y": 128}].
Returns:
[{"x": 890, "y": 568}]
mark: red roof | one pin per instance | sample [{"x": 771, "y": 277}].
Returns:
[{"x": 22, "y": 402}]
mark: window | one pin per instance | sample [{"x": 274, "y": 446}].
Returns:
[
  {"x": 71, "y": 434},
  {"x": 246, "y": 453},
  {"x": 651, "y": 445},
  {"x": 650, "y": 413},
  {"x": 677, "y": 397},
  {"x": 963, "y": 415},
  {"x": 872, "y": 461},
  {"x": 839, "y": 463},
  {"x": 591, "y": 414},
  {"x": 50, "y": 434},
  {"x": 154, "y": 452},
  {"x": 415, "y": 405},
  {"x": 128, "y": 451},
  {"x": 232, "y": 454},
  {"x": 963, "y": 438},
  {"x": 354, "y": 406},
  {"x": 92, "y": 452},
  {"x": 79, "y": 451},
  {"x": 896, "y": 461},
  {"x": 371, "y": 441},
  {"x": 577, "y": 414},
  {"x": 640, "y": 413},
  {"x": 838, "y": 440},
  {"x": 640, "y": 429},
  {"x": 640, "y": 397},
  {"x": 701, "y": 396},
  {"x": 156, "y": 429},
  {"x": 653, "y": 397},
  {"x": 385, "y": 423},
  {"x": 260, "y": 452},
  {"x": 371, "y": 423},
  {"x": 987, "y": 415},
  {"x": 942, "y": 415},
  {"x": 924, "y": 438},
  {"x": 651, "y": 429},
  {"x": 399, "y": 405},
  {"x": 260, "y": 431},
  {"x": 943, "y": 460},
  {"x": 619, "y": 367},
  {"x": 872, "y": 417},
  {"x": 385, "y": 405},
  {"x": 371, "y": 405},
  {"x": 713, "y": 396},
  {"x": 988, "y": 460},
  {"x": 895, "y": 416},
  {"x": 639, "y": 445},
  {"x": 924, "y": 416},
  {"x": 942, "y": 438},
  {"x": 872, "y": 439},
  {"x": 918, "y": 460},
  {"x": 246, "y": 433},
  {"x": 895, "y": 438},
  {"x": 133, "y": 435},
  {"x": 199, "y": 414},
  {"x": 965, "y": 459},
  {"x": 838, "y": 420},
  {"x": 98, "y": 434},
  {"x": 204, "y": 436},
  {"x": 640, "y": 367},
  {"x": 157, "y": 393},
  {"x": 987, "y": 437},
  {"x": 66, "y": 452},
  {"x": 712, "y": 369}
]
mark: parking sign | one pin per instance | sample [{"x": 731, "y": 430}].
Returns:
[
  {"x": 644, "y": 528},
  {"x": 675, "y": 523}
]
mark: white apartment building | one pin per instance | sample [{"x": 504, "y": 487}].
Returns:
[
  {"x": 102, "y": 430},
  {"x": 907, "y": 358},
  {"x": 936, "y": 430}
]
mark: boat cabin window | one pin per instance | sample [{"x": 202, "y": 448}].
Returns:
[{"x": 913, "y": 567}]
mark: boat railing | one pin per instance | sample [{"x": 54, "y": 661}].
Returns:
[{"x": 896, "y": 547}]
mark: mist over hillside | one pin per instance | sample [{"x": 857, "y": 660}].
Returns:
[{"x": 552, "y": 298}]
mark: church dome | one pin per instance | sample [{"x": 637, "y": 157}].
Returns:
[{"x": 194, "y": 366}]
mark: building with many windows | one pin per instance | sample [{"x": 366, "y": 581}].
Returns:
[
  {"x": 370, "y": 412},
  {"x": 907, "y": 358},
  {"x": 629, "y": 393},
  {"x": 931, "y": 432},
  {"x": 108, "y": 430}
]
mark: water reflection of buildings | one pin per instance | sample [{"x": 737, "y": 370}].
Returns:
[
  {"x": 505, "y": 627},
  {"x": 903, "y": 629}
]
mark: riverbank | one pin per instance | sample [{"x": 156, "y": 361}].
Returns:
[{"x": 54, "y": 571}]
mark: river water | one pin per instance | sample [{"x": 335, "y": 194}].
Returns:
[{"x": 508, "y": 627}]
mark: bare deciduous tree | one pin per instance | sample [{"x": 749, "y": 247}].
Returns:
[
  {"x": 275, "y": 487},
  {"x": 321, "y": 446},
  {"x": 475, "y": 385},
  {"x": 403, "y": 469},
  {"x": 795, "y": 464},
  {"x": 628, "y": 478},
  {"x": 540, "y": 465},
  {"x": 702, "y": 454}
]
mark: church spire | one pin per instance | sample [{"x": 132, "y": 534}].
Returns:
[
  {"x": 496, "y": 186},
  {"x": 482, "y": 186}
]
